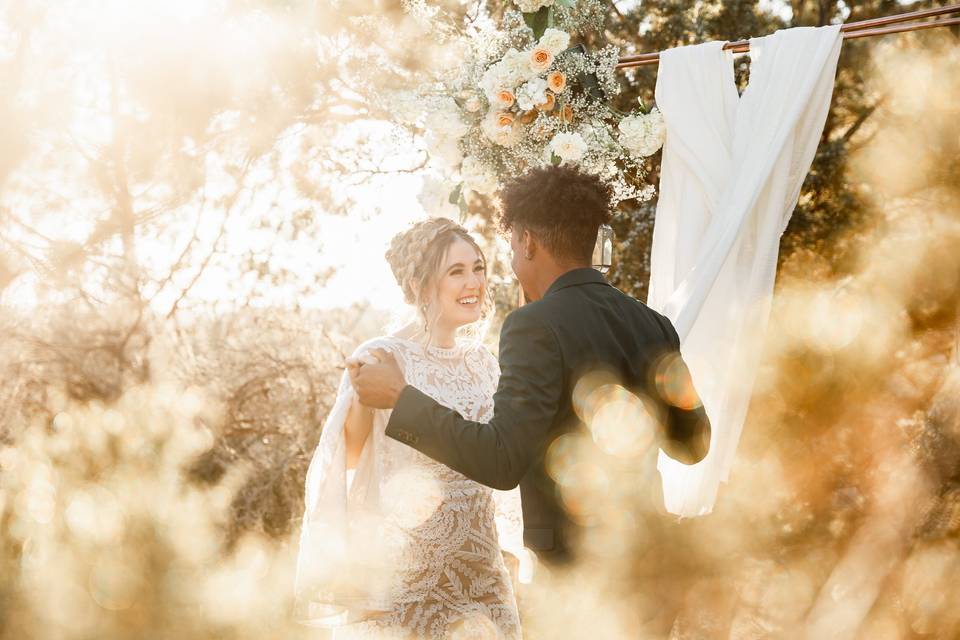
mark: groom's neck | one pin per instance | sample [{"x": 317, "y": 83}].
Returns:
[{"x": 547, "y": 273}]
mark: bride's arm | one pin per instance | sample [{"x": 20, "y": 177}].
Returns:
[
  {"x": 356, "y": 429},
  {"x": 359, "y": 419}
]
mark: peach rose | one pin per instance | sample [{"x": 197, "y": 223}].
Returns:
[
  {"x": 566, "y": 114},
  {"x": 504, "y": 119},
  {"x": 557, "y": 81},
  {"x": 549, "y": 104},
  {"x": 540, "y": 59},
  {"x": 505, "y": 98},
  {"x": 528, "y": 116}
]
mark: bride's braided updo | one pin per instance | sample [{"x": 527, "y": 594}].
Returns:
[{"x": 416, "y": 256}]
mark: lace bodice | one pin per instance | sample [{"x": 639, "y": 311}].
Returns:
[
  {"x": 440, "y": 534},
  {"x": 462, "y": 378}
]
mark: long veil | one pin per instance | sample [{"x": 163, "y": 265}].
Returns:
[{"x": 332, "y": 585}]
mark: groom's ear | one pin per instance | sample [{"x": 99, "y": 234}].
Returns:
[{"x": 529, "y": 243}]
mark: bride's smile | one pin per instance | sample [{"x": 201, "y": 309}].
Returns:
[{"x": 460, "y": 290}]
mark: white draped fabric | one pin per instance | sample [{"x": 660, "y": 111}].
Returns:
[{"x": 731, "y": 174}]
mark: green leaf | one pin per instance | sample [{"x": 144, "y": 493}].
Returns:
[
  {"x": 456, "y": 195},
  {"x": 555, "y": 159},
  {"x": 539, "y": 21},
  {"x": 464, "y": 210},
  {"x": 569, "y": 4}
]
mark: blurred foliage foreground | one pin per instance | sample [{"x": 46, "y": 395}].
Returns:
[{"x": 151, "y": 480}]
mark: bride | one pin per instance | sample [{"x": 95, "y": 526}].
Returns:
[{"x": 394, "y": 544}]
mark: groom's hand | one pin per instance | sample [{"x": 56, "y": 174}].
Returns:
[{"x": 378, "y": 385}]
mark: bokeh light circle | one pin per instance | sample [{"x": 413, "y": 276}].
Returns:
[{"x": 674, "y": 383}]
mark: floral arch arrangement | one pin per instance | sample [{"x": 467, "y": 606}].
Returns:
[{"x": 526, "y": 95}]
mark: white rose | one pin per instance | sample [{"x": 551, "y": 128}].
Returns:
[
  {"x": 532, "y": 6},
  {"x": 516, "y": 65},
  {"x": 492, "y": 82},
  {"x": 506, "y": 74},
  {"x": 554, "y": 40},
  {"x": 568, "y": 146},
  {"x": 642, "y": 135},
  {"x": 658, "y": 128},
  {"x": 533, "y": 93},
  {"x": 633, "y": 133},
  {"x": 435, "y": 198},
  {"x": 445, "y": 119},
  {"x": 445, "y": 150},
  {"x": 537, "y": 88},
  {"x": 477, "y": 177}
]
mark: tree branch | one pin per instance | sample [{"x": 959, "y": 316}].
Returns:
[
  {"x": 862, "y": 118},
  {"x": 213, "y": 249},
  {"x": 178, "y": 263}
]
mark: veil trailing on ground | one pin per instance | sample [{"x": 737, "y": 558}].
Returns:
[{"x": 731, "y": 174}]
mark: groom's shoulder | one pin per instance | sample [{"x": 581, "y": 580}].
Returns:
[
  {"x": 637, "y": 305},
  {"x": 566, "y": 302},
  {"x": 532, "y": 317},
  {"x": 570, "y": 305},
  {"x": 632, "y": 303},
  {"x": 531, "y": 312}
]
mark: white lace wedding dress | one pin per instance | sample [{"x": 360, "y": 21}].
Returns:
[{"x": 411, "y": 548}]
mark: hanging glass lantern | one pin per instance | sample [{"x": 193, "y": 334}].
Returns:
[{"x": 603, "y": 250}]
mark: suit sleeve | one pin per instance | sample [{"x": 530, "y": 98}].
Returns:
[
  {"x": 686, "y": 435},
  {"x": 499, "y": 453}
]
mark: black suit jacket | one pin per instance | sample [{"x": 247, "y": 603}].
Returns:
[{"x": 581, "y": 325}]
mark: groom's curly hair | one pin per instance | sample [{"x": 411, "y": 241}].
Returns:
[{"x": 562, "y": 206}]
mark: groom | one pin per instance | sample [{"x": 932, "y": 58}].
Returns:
[{"x": 576, "y": 324}]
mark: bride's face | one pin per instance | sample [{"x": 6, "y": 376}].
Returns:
[{"x": 461, "y": 285}]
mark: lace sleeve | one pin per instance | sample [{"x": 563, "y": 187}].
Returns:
[{"x": 328, "y": 590}]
